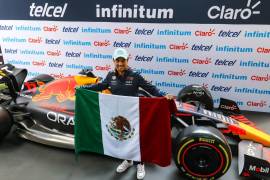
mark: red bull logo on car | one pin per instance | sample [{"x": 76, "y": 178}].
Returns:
[{"x": 62, "y": 89}]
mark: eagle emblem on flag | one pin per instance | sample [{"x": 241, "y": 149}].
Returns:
[{"x": 120, "y": 128}]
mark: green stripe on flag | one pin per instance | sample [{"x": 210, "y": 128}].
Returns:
[{"x": 88, "y": 133}]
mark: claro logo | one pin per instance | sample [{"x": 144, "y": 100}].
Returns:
[
  {"x": 224, "y": 12},
  {"x": 47, "y": 11}
]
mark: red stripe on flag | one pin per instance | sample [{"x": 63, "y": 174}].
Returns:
[{"x": 155, "y": 130}]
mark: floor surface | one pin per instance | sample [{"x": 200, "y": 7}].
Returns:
[{"x": 24, "y": 160}]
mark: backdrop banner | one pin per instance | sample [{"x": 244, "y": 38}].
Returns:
[{"x": 221, "y": 44}]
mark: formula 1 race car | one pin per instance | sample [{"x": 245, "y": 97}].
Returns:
[{"x": 204, "y": 139}]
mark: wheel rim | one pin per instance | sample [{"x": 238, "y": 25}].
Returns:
[{"x": 202, "y": 160}]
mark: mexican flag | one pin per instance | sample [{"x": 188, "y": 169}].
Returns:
[{"x": 132, "y": 128}]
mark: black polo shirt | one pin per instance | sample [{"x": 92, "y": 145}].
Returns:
[{"x": 127, "y": 84}]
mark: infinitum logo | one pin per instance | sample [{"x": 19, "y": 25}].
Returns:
[
  {"x": 135, "y": 12},
  {"x": 224, "y": 12}
]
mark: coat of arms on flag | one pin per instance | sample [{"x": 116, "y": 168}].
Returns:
[{"x": 119, "y": 127}]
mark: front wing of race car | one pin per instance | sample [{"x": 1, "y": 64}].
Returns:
[
  {"x": 30, "y": 130},
  {"x": 254, "y": 147},
  {"x": 253, "y": 159}
]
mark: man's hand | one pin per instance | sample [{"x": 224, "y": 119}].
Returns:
[{"x": 169, "y": 96}]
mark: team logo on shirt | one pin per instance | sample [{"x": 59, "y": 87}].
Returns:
[{"x": 120, "y": 128}]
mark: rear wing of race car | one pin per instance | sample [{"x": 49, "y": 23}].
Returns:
[
  {"x": 11, "y": 81},
  {"x": 253, "y": 160}
]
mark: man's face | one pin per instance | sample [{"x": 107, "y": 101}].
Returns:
[{"x": 120, "y": 64}]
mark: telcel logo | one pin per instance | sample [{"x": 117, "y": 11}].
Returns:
[
  {"x": 47, "y": 11},
  {"x": 198, "y": 74},
  {"x": 221, "y": 88},
  {"x": 224, "y": 12}
]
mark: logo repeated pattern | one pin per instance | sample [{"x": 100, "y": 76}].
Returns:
[{"x": 231, "y": 60}]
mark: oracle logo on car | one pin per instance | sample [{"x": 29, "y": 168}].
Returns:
[
  {"x": 259, "y": 104},
  {"x": 224, "y": 12},
  {"x": 198, "y": 92},
  {"x": 60, "y": 118},
  {"x": 47, "y": 11}
]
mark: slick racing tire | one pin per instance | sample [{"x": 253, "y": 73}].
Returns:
[
  {"x": 196, "y": 95},
  {"x": 6, "y": 122},
  {"x": 201, "y": 153}
]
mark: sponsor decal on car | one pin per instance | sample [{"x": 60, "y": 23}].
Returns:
[{"x": 60, "y": 118}]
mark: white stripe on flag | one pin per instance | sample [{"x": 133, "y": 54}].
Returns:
[{"x": 128, "y": 107}]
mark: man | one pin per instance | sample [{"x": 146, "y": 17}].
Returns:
[{"x": 123, "y": 81}]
